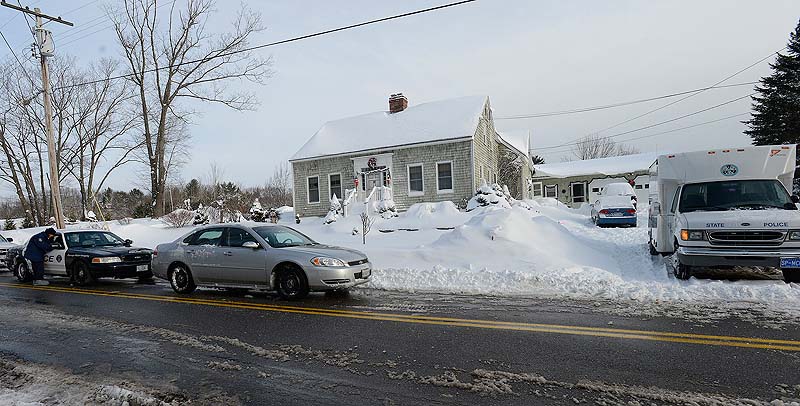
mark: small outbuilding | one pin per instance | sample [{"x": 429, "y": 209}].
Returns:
[{"x": 576, "y": 182}]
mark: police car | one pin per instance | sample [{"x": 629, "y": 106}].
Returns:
[{"x": 86, "y": 255}]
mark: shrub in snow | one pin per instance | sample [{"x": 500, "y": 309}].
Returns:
[
  {"x": 9, "y": 225},
  {"x": 333, "y": 212},
  {"x": 90, "y": 216},
  {"x": 489, "y": 196},
  {"x": 27, "y": 222},
  {"x": 200, "y": 216},
  {"x": 178, "y": 218},
  {"x": 257, "y": 212}
]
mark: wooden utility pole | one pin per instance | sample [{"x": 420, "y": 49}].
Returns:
[{"x": 44, "y": 42}]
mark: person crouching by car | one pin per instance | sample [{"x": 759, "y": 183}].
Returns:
[{"x": 38, "y": 246}]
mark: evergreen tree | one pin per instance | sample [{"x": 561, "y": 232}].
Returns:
[
  {"x": 776, "y": 107},
  {"x": 9, "y": 224},
  {"x": 537, "y": 160}
]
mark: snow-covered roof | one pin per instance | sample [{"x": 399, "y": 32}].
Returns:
[
  {"x": 519, "y": 140},
  {"x": 422, "y": 123},
  {"x": 602, "y": 166}
]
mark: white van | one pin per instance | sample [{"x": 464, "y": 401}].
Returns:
[{"x": 726, "y": 208}]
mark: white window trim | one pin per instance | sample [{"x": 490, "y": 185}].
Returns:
[
  {"x": 555, "y": 187},
  {"x": 585, "y": 192},
  {"x": 533, "y": 189},
  {"x": 308, "y": 190},
  {"x": 452, "y": 179},
  {"x": 408, "y": 180},
  {"x": 341, "y": 185}
]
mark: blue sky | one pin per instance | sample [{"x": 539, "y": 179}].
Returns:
[{"x": 527, "y": 56}]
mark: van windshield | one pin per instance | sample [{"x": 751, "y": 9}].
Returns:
[{"x": 735, "y": 195}]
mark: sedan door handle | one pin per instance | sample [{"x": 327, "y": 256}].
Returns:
[
  {"x": 190, "y": 251},
  {"x": 228, "y": 254}
]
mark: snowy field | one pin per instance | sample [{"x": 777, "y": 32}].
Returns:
[{"x": 549, "y": 250}]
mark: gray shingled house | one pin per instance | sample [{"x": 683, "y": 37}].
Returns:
[{"x": 430, "y": 152}]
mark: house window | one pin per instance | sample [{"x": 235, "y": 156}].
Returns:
[
  {"x": 536, "y": 189},
  {"x": 335, "y": 185},
  {"x": 595, "y": 190},
  {"x": 647, "y": 186},
  {"x": 444, "y": 177},
  {"x": 313, "y": 189},
  {"x": 639, "y": 186},
  {"x": 551, "y": 191},
  {"x": 415, "y": 183}
]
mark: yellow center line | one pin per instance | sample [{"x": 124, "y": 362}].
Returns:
[{"x": 687, "y": 338}]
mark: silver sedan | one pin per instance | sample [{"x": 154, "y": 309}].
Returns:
[{"x": 263, "y": 257}]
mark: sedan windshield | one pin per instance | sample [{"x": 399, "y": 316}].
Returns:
[
  {"x": 94, "y": 239},
  {"x": 280, "y": 236},
  {"x": 735, "y": 195},
  {"x": 3, "y": 239}
]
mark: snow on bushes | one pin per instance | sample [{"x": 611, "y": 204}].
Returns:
[
  {"x": 489, "y": 196},
  {"x": 179, "y": 218},
  {"x": 334, "y": 211},
  {"x": 257, "y": 212}
]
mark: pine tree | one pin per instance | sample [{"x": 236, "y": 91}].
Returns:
[
  {"x": 776, "y": 107},
  {"x": 9, "y": 224}
]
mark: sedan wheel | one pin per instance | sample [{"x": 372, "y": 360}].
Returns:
[
  {"x": 181, "y": 280},
  {"x": 292, "y": 284},
  {"x": 23, "y": 272},
  {"x": 81, "y": 275}
]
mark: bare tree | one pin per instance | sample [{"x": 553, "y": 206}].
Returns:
[
  {"x": 103, "y": 130},
  {"x": 278, "y": 190},
  {"x": 595, "y": 146},
  {"x": 509, "y": 169},
  {"x": 173, "y": 58},
  {"x": 366, "y": 225}
]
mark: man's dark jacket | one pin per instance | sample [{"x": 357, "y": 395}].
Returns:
[{"x": 38, "y": 246}]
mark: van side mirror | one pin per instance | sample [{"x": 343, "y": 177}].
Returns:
[
  {"x": 128, "y": 243},
  {"x": 795, "y": 199},
  {"x": 251, "y": 244}
]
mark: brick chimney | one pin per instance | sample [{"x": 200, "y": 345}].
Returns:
[{"x": 397, "y": 103}]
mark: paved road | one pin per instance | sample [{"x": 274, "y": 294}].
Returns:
[{"x": 371, "y": 347}]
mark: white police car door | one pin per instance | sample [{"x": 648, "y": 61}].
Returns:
[{"x": 55, "y": 260}]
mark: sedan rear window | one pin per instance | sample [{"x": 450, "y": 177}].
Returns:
[{"x": 280, "y": 236}]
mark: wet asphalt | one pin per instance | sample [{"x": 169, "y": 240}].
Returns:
[{"x": 337, "y": 349}]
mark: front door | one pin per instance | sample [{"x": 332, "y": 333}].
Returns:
[
  {"x": 55, "y": 260},
  {"x": 204, "y": 254},
  {"x": 375, "y": 179},
  {"x": 240, "y": 265},
  {"x": 578, "y": 191}
]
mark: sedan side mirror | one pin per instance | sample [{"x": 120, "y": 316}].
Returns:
[
  {"x": 128, "y": 243},
  {"x": 9, "y": 239},
  {"x": 251, "y": 244},
  {"x": 795, "y": 199}
]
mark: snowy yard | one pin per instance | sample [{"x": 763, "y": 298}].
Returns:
[{"x": 549, "y": 250}]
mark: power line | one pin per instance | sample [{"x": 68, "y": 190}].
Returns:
[
  {"x": 690, "y": 95},
  {"x": 97, "y": 24},
  {"x": 281, "y": 42},
  {"x": 614, "y": 105},
  {"x": 24, "y": 70},
  {"x": 666, "y": 132},
  {"x": 656, "y": 124}
]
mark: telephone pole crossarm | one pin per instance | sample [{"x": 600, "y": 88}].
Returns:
[{"x": 35, "y": 13}]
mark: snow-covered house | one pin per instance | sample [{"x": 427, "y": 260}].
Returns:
[
  {"x": 430, "y": 152},
  {"x": 577, "y": 182}
]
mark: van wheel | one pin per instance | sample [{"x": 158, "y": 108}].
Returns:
[
  {"x": 180, "y": 277},
  {"x": 292, "y": 283},
  {"x": 653, "y": 250},
  {"x": 791, "y": 276},
  {"x": 81, "y": 275},
  {"x": 23, "y": 272},
  {"x": 681, "y": 271}
]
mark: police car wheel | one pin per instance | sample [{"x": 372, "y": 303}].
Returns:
[
  {"x": 181, "y": 279},
  {"x": 81, "y": 275},
  {"x": 23, "y": 272}
]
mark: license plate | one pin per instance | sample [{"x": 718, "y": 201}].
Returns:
[
  {"x": 142, "y": 268},
  {"x": 790, "y": 263},
  {"x": 366, "y": 273},
  {"x": 615, "y": 214}
]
